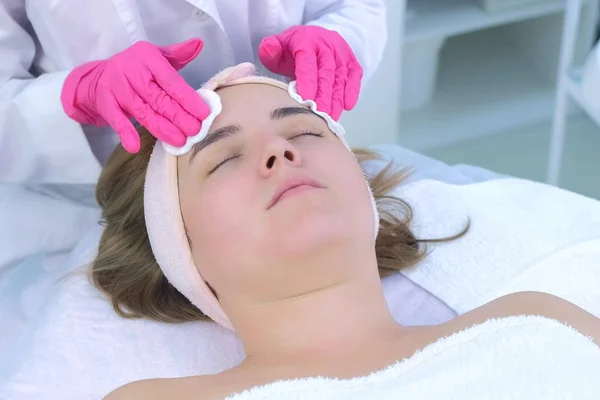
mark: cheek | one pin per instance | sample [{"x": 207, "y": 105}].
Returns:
[
  {"x": 215, "y": 222},
  {"x": 353, "y": 192}
]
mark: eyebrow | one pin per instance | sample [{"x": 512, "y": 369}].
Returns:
[
  {"x": 280, "y": 113},
  {"x": 213, "y": 137},
  {"x": 230, "y": 130}
]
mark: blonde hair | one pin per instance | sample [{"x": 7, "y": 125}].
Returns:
[{"x": 125, "y": 268}]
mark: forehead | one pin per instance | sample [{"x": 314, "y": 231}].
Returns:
[{"x": 252, "y": 101}]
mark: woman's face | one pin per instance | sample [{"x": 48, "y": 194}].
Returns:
[{"x": 251, "y": 231}]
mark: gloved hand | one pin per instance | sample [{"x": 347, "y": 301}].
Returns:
[
  {"x": 140, "y": 82},
  {"x": 321, "y": 62}
]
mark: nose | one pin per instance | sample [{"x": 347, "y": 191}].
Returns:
[{"x": 278, "y": 152}]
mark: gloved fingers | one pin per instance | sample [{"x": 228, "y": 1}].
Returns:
[
  {"x": 180, "y": 54},
  {"x": 306, "y": 74},
  {"x": 160, "y": 127},
  {"x": 338, "y": 93},
  {"x": 164, "y": 105},
  {"x": 116, "y": 118},
  {"x": 177, "y": 88},
  {"x": 325, "y": 78},
  {"x": 353, "y": 85},
  {"x": 270, "y": 53},
  {"x": 143, "y": 83}
]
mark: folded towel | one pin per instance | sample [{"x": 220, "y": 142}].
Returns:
[
  {"x": 505, "y": 358},
  {"x": 523, "y": 236}
]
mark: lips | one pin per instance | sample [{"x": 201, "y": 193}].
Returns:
[{"x": 290, "y": 183}]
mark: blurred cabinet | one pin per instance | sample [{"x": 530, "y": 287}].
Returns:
[{"x": 452, "y": 71}]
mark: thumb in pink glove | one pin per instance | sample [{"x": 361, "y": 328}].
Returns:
[
  {"x": 140, "y": 82},
  {"x": 322, "y": 63}
]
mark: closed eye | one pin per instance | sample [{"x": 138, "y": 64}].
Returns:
[
  {"x": 230, "y": 158},
  {"x": 306, "y": 133},
  {"x": 233, "y": 157}
]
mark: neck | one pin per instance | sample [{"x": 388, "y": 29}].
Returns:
[{"x": 341, "y": 316}]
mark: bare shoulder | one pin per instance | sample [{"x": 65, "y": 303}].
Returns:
[
  {"x": 536, "y": 303},
  {"x": 151, "y": 389},
  {"x": 194, "y": 387},
  {"x": 141, "y": 389}
]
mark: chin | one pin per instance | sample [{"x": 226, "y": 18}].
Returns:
[
  {"x": 312, "y": 234},
  {"x": 313, "y": 221}
]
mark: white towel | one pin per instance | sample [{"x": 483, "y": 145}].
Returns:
[
  {"x": 524, "y": 236},
  {"x": 501, "y": 359}
]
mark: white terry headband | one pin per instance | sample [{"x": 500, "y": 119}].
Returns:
[{"x": 164, "y": 221}]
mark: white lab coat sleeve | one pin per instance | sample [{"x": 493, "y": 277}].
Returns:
[
  {"x": 362, "y": 23},
  {"x": 39, "y": 143}
]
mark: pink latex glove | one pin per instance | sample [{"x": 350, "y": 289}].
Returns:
[
  {"x": 140, "y": 82},
  {"x": 321, "y": 62}
]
